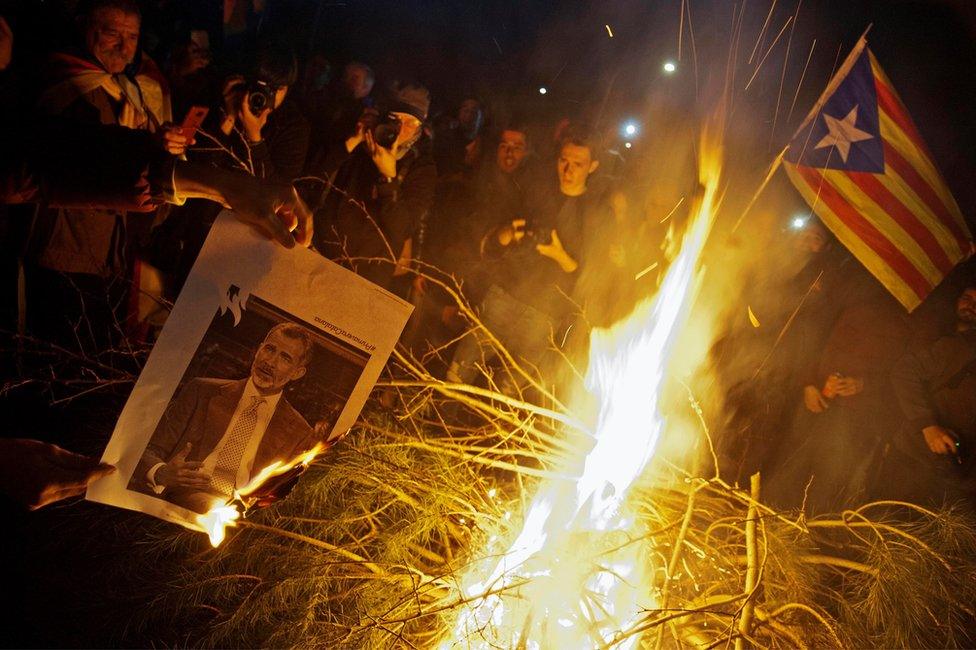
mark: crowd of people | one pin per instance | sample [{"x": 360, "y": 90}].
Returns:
[{"x": 541, "y": 228}]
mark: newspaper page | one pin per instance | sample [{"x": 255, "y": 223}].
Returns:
[{"x": 267, "y": 356}]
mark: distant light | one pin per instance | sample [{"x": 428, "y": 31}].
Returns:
[
  {"x": 797, "y": 223},
  {"x": 543, "y": 90},
  {"x": 609, "y": 31},
  {"x": 670, "y": 67},
  {"x": 630, "y": 129},
  {"x": 628, "y": 145}
]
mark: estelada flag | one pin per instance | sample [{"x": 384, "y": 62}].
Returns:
[{"x": 861, "y": 165}]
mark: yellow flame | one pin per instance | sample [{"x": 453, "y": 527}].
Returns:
[
  {"x": 225, "y": 513},
  {"x": 566, "y": 599}
]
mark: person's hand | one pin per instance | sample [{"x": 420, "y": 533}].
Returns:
[
  {"x": 35, "y": 473},
  {"x": 554, "y": 250},
  {"x": 356, "y": 138},
  {"x": 814, "y": 400},
  {"x": 940, "y": 440},
  {"x": 179, "y": 472},
  {"x": 6, "y": 44},
  {"x": 274, "y": 209},
  {"x": 367, "y": 120},
  {"x": 232, "y": 92},
  {"x": 383, "y": 158},
  {"x": 849, "y": 386},
  {"x": 251, "y": 123},
  {"x": 832, "y": 385},
  {"x": 512, "y": 233},
  {"x": 171, "y": 139}
]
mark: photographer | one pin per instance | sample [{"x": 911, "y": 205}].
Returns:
[
  {"x": 538, "y": 259},
  {"x": 258, "y": 123},
  {"x": 378, "y": 187},
  {"x": 255, "y": 129}
]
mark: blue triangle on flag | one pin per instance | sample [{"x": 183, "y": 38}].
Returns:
[{"x": 817, "y": 146}]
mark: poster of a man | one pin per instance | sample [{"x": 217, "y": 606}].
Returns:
[
  {"x": 261, "y": 365},
  {"x": 217, "y": 433}
]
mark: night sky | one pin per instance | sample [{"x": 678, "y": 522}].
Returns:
[{"x": 469, "y": 47}]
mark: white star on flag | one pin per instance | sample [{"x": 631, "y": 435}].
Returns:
[{"x": 842, "y": 133}]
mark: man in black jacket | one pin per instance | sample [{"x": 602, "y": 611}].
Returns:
[
  {"x": 538, "y": 261},
  {"x": 936, "y": 388},
  {"x": 376, "y": 195}
]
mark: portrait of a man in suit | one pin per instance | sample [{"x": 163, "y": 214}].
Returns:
[{"x": 219, "y": 433}]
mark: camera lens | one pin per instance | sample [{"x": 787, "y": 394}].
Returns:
[{"x": 258, "y": 101}]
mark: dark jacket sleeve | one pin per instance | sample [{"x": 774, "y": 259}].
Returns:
[
  {"x": 403, "y": 202},
  {"x": 170, "y": 431},
  {"x": 912, "y": 378},
  {"x": 50, "y": 160}
]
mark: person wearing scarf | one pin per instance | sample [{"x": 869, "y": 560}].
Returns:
[{"x": 82, "y": 269}]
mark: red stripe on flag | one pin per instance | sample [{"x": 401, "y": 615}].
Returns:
[
  {"x": 904, "y": 217},
  {"x": 889, "y": 103},
  {"x": 925, "y": 192},
  {"x": 866, "y": 232}
]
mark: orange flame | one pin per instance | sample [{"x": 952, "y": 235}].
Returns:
[
  {"x": 224, "y": 513},
  {"x": 563, "y": 600}
]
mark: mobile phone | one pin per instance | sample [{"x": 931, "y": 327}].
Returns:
[{"x": 194, "y": 118}]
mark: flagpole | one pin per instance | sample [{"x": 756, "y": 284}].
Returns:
[{"x": 769, "y": 175}]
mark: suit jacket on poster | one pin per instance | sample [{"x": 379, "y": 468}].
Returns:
[{"x": 200, "y": 415}]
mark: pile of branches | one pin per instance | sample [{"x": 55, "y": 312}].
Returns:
[{"x": 370, "y": 549}]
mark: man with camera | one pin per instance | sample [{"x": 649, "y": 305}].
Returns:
[
  {"x": 378, "y": 187},
  {"x": 265, "y": 131},
  {"x": 254, "y": 129},
  {"x": 538, "y": 258}
]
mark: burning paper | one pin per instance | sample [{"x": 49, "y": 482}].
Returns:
[{"x": 267, "y": 358}]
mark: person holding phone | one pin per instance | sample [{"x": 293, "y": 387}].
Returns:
[{"x": 80, "y": 262}]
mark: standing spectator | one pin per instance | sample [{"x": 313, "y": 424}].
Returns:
[
  {"x": 835, "y": 446},
  {"x": 936, "y": 388},
  {"x": 463, "y": 210},
  {"x": 335, "y": 113},
  {"x": 267, "y": 139},
  {"x": 457, "y": 140},
  {"x": 378, "y": 195},
  {"x": 81, "y": 259},
  {"x": 538, "y": 259}
]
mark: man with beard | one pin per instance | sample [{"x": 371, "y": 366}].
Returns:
[
  {"x": 219, "y": 433},
  {"x": 936, "y": 388}
]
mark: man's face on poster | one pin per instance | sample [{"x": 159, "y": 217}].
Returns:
[
  {"x": 280, "y": 360},
  {"x": 112, "y": 38}
]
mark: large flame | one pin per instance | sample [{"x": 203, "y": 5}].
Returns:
[
  {"x": 224, "y": 513},
  {"x": 545, "y": 591}
]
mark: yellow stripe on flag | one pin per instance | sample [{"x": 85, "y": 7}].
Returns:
[
  {"x": 917, "y": 159},
  {"x": 880, "y": 219},
  {"x": 904, "y": 193},
  {"x": 866, "y": 255}
]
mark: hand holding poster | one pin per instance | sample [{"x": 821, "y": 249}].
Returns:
[{"x": 267, "y": 357}]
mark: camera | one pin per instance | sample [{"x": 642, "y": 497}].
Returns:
[
  {"x": 537, "y": 234},
  {"x": 261, "y": 96},
  {"x": 386, "y": 130}
]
